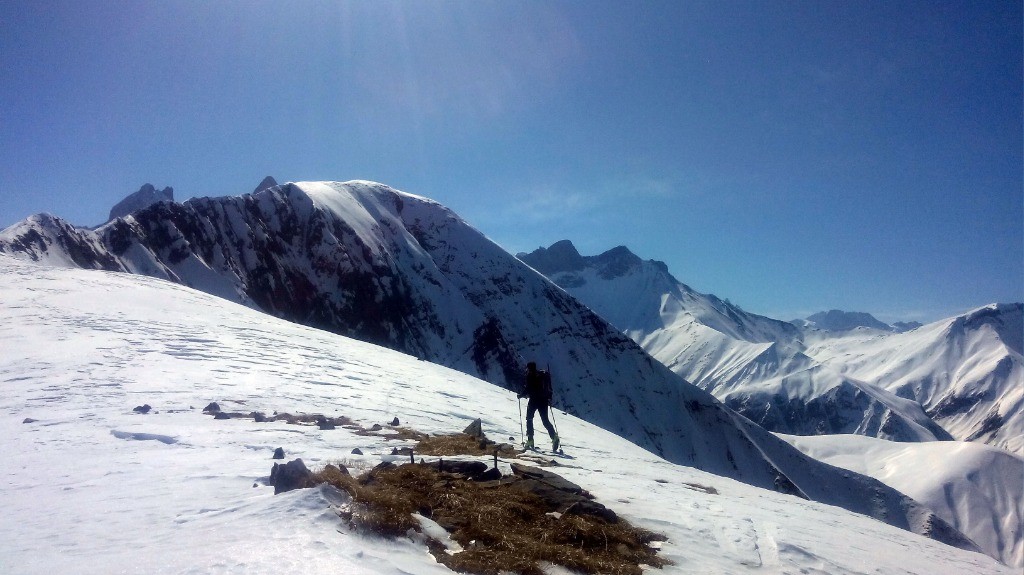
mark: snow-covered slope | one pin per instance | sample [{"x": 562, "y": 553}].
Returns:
[
  {"x": 756, "y": 365},
  {"x": 977, "y": 488},
  {"x": 91, "y": 487},
  {"x": 967, "y": 371},
  {"x": 362, "y": 259}
]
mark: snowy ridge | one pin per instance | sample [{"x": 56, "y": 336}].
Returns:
[
  {"x": 967, "y": 371},
  {"x": 362, "y": 259},
  {"x": 757, "y": 365},
  {"x": 83, "y": 347},
  {"x": 976, "y": 488}
]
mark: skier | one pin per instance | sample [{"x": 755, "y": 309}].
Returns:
[{"x": 538, "y": 389}]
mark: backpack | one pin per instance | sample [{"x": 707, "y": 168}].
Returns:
[{"x": 545, "y": 385}]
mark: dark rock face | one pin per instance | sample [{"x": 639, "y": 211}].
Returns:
[
  {"x": 289, "y": 476},
  {"x": 212, "y": 407},
  {"x": 278, "y": 453}
]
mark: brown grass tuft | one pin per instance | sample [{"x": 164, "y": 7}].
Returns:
[
  {"x": 500, "y": 529},
  {"x": 461, "y": 444}
]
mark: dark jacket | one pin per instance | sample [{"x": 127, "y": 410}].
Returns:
[{"x": 538, "y": 387}]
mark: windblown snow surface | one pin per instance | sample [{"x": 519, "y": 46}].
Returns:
[
  {"x": 91, "y": 487},
  {"x": 976, "y": 488}
]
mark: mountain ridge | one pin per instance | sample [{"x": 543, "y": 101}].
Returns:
[{"x": 787, "y": 378}]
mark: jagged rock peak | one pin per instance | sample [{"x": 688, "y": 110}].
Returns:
[
  {"x": 267, "y": 182},
  {"x": 560, "y": 257},
  {"x": 145, "y": 197}
]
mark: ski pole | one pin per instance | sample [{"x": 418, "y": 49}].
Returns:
[{"x": 521, "y": 434}]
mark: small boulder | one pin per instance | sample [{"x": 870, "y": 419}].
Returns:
[
  {"x": 289, "y": 476},
  {"x": 142, "y": 408},
  {"x": 212, "y": 408},
  {"x": 325, "y": 424},
  {"x": 470, "y": 469},
  {"x": 279, "y": 453},
  {"x": 587, "y": 507},
  {"x": 221, "y": 415},
  {"x": 394, "y": 422},
  {"x": 259, "y": 417},
  {"x": 339, "y": 468},
  {"x": 29, "y": 420},
  {"x": 357, "y": 451},
  {"x": 492, "y": 474},
  {"x": 475, "y": 429}
]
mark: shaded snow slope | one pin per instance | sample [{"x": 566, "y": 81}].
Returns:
[
  {"x": 976, "y": 488},
  {"x": 756, "y": 365},
  {"x": 91, "y": 487}
]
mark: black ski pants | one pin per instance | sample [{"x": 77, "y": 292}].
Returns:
[{"x": 541, "y": 407}]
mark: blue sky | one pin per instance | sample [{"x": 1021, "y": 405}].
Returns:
[{"x": 790, "y": 156}]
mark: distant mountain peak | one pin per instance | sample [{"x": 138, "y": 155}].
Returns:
[
  {"x": 267, "y": 182},
  {"x": 145, "y": 197},
  {"x": 838, "y": 320},
  {"x": 560, "y": 257}
]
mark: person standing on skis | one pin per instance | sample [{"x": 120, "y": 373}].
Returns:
[{"x": 538, "y": 389}]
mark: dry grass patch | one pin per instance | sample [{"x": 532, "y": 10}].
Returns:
[
  {"x": 461, "y": 444},
  {"x": 500, "y": 528}
]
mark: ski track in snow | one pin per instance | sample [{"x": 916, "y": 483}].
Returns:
[{"x": 92, "y": 487}]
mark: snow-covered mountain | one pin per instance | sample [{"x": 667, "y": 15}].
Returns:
[
  {"x": 92, "y": 487},
  {"x": 756, "y": 365},
  {"x": 967, "y": 371},
  {"x": 976, "y": 488},
  {"x": 362, "y": 259}
]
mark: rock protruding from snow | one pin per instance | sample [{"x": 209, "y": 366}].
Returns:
[
  {"x": 145, "y": 197},
  {"x": 268, "y": 182},
  {"x": 289, "y": 476}
]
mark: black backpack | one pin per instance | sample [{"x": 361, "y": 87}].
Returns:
[{"x": 545, "y": 385}]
